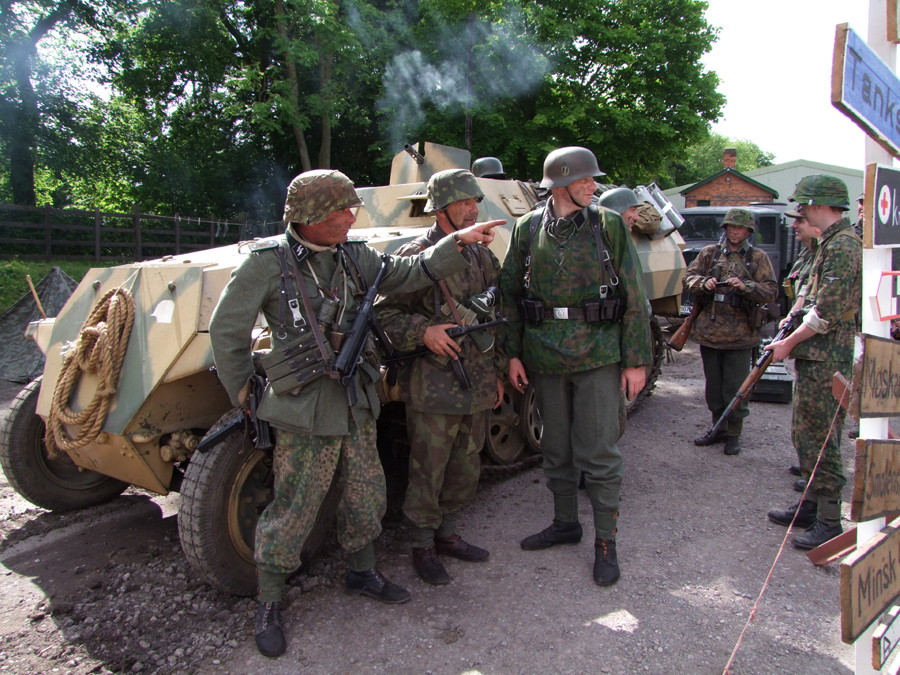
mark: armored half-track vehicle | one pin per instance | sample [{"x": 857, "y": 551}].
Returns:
[{"x": 139, "y": 420}]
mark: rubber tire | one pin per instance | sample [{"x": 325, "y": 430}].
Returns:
[
  {"x": 216, "y": 537},
  {"x": 57, "y": 485},
  {"x": 504, "y": 442},
  {"x": 531, "y": 422}
]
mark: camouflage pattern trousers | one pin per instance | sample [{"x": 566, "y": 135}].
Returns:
[
  {"x": 304, "y": 467},
  {"x": 814, "y": 412},
  {"x": 580, "y": 412},
  {"x": 444, "y": 464}
]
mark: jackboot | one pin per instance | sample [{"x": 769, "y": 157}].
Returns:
[
  {"x": 269, "y": 630},
  {"x": 606, "y": 563},
  {"x": 558, "y": 533},
  {"x": 805, "y": 518},
  {"x": 799, "y": 485},
  {"x": 371, "y": 582},
  {"x": 732, "y": 445},
  {"x": 456, "y": 547},
  {"x": 429, "y": 567},
  {"x": 794, "y": 469}
]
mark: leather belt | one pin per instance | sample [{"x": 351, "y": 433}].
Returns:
[
  {"x": 564, "y": 313},
  {"x": 719, "y": 297}
]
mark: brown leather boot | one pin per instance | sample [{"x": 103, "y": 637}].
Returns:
[
  {"x": 456, "y": 547},
  {"x": 429, "y": 567}
]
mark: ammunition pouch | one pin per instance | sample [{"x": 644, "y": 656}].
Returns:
[
  {"x": 603, "y": 309},
  {"x": 531, "y": 310},
  {"x": 295, "y": 365},
  {"x": 760, "y": 315}
]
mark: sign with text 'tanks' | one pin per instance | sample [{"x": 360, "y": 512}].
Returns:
[{"x": 865, "y": 89}]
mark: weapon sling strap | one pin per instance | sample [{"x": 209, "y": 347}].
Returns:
[{"x": 307, "y": 307}]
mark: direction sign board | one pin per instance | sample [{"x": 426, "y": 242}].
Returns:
[
  {"x": 865, "y": 89},
  {"x": 876, "y": 481},
  {"x": 885, "y": 207},
  {"x": 870, "y": 580},
  {"x": 885, "y": 639}
]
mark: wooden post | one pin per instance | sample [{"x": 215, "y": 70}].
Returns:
[
  {"x": 137, "y": 233},
  {"x": 212, "y": 232},
  {"x": 97, "y": 235},
  {"x": 177, "y": 234},
  {"x": 47, "y": 237}
]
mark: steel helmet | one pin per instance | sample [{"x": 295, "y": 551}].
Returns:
[
  {"x": 314, "y": 195},
  {"x": 739, "y": 217},
  {"x": 822, "y": 190},
  {"x": 452, "y": 185},
  {"x": 488, "y": 167},
  {"x": 564, "y": 166},
  {"x": 619, "y": 199}
]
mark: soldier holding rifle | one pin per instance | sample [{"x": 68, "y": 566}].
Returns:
[
  {"x": 731, "y": 280},
  {"x": 449, "y": 390},
  {"x": 821, "y": 346},
  {"x": 320, "y": 422}
]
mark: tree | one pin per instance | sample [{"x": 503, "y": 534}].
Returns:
[{"x": 704, "y": 159}]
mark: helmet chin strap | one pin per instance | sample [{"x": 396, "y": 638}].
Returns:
[
  {"x": 575, "y": 201},
  {"x": 449, "y": 219}
]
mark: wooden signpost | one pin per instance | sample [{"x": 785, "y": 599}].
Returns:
[
  {"x": 885, "y": 638},
  {"x": 876, "y": 379},
  {"x": 870, "y": 580},
  {"x": 876, "y": 483},
  {"x": 865, "y": 89}
]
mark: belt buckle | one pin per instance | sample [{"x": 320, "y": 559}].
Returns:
[
  {"x": 719, "y": 297},
  {"x": 560, "y": 312}
]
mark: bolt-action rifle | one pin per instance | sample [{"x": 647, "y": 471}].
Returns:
[
  {"x": 681, "y": 335},
  {"x": 348, "y": 359},
  {"x": 794, "y": 319}
]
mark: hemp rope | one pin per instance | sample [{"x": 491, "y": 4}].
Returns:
[{"x": 100, "y": 348}]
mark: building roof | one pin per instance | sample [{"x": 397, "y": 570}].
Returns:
[{"x": 733, "y": 172}]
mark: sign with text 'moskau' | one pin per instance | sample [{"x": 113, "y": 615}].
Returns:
[{"x": 865, "y": 89}]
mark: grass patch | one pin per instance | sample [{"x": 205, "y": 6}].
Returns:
[{"x": 12, "y": 275}]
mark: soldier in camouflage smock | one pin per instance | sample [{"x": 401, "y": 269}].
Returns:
[
  {"x": 582, "y": 335},
  {"x": 446, "y": 421},
  {"x": 821, "y": 346},
  {"x": 729, "y": 279},
  {"x": 316, "y": 430}
]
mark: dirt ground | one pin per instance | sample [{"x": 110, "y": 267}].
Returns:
[{"x": 108, "y": 590}]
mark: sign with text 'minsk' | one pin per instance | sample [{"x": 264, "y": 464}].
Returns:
[
  {"x": 870, "y": 580},
  {"x": 865, "y": 89}
]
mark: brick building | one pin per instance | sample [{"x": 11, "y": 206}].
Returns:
[{"x": 729, "y": 187}]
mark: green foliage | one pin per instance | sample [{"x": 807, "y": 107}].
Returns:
[
  {"x": 13, "y": 284},
  {"x": 704, "y": 159}
]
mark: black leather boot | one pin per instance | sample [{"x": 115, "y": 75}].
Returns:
[
  {"x": 457, "y": 547},
  {"x": 710, "y": 438},
  {"x": 371, "y": 582},
  {"x": 805, "y": 518},
  {"x": 732, "y": 445},
  {"x": 606, "y": 563},
  {"x": 269, "y": 631},
  {"x": 816, "y": 535},
  {"x": 558, "y": 533},
  {"x": 429, "y": 567}
]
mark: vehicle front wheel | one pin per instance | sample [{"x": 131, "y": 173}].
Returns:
[
  {"x": 224, "y": 492},
  {"x": 53, "y": 484}
]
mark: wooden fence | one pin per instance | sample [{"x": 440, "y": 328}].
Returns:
[{"x": 43, "y": 233}]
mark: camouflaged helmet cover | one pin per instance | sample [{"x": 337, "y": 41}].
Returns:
[
  {"x": 564, "y": 166},
  {"x": 822, "y": 190},
  {"x": 739, "y": 217},
  {"x": 314, "y": 195},
  {"x": 452, "y": 185}
]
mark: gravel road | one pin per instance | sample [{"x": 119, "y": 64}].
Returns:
[{"x": 107, "y": 590}]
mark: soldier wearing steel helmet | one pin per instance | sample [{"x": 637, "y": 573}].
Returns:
[
  {"x": 624, "y": 202},
  {"x": 821, "y": 346},
  {"x": 446, "y": 417},
  {"x": 488, "y": 167},
  {"x": 316, "y": 429},
  {"x": 730, "y": 279},
  {"x": 582, "y": 334}
]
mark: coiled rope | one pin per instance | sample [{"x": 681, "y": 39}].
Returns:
[{"x": 100, "y": 348}]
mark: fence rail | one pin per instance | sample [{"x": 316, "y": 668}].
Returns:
[{"x": 44, "y": 233}]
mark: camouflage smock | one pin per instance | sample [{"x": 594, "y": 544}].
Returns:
[
  {"x": 797, "y": 281},
  {"x": 320, "y": 406},
  {"x": 731, "y": 328},
  {"x": 835, "y": 288},
  {"x": 429, "y": 384},
  {"x": 566, "y": 271}
]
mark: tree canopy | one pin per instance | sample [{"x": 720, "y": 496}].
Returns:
[
  {"x": 705, "y": 159},
  {"x": 211, "y": 106}
]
